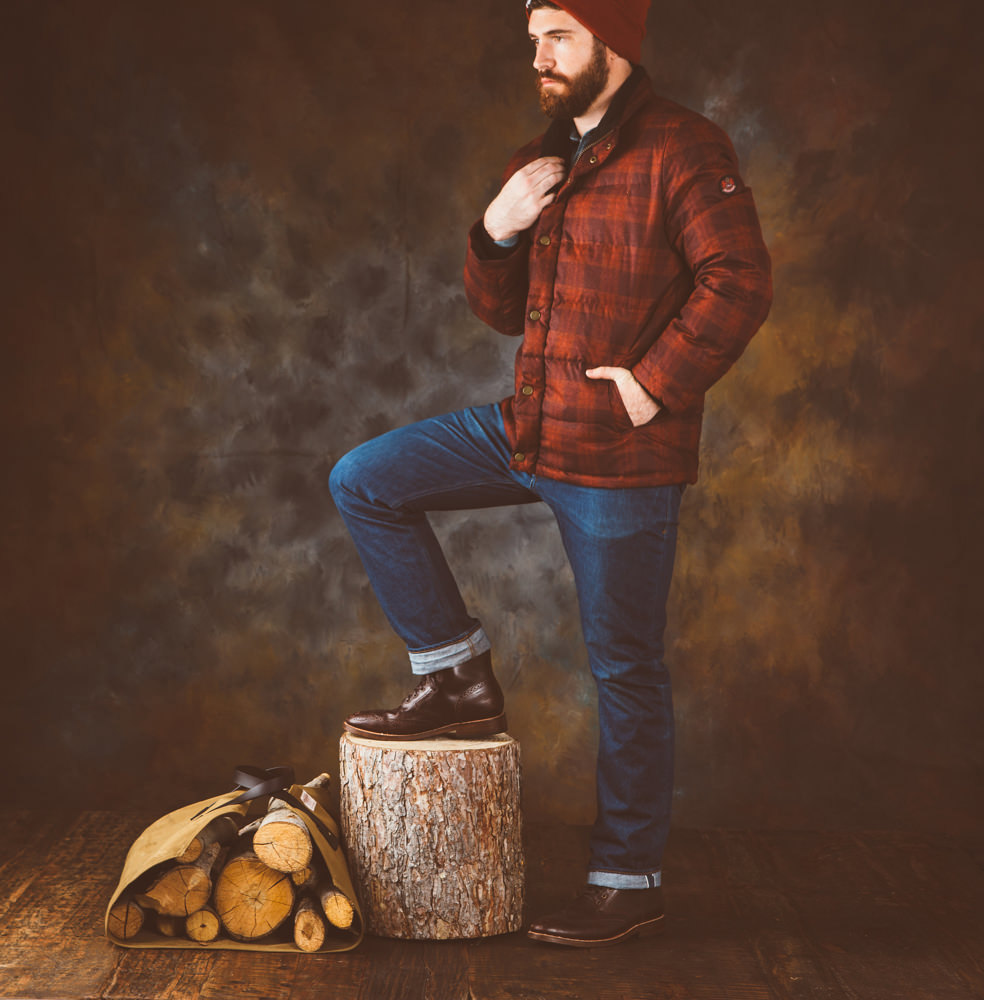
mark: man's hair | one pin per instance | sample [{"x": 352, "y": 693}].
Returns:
[{"x": 532, "y": 5}]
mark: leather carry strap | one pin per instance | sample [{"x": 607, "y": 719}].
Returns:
[{"x": 259, "y": 781}]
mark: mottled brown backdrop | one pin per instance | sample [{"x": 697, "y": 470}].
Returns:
[{"x": 232, "y": 238}]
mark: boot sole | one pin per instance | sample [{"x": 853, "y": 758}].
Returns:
[
  {"x": 456, "y": 730},
  {"x": 644, "y": 929}
]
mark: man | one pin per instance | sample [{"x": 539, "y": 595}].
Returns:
[{"x": 625, "y": 251}]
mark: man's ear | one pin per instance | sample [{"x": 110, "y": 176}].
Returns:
[{"x": 613, "y": 58}]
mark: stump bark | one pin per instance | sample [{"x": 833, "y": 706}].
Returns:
[{"x": 433, "y": 833}]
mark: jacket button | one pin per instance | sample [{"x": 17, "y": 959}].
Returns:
[
  {"x": 544, "y": 241},
  {"x": 527, "y": 390},
  {"x": 534, "y": 314},
  {"x": 519, "y": 456},
  {"x": 593, "y": 159}
]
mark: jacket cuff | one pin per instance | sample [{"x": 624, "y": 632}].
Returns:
[{"x": 485, "y": 248}]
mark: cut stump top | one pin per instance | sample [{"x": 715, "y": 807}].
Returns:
[{"x": 437, "y": 745}]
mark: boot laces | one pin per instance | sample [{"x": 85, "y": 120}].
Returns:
[{"x": 425, "y": 685}]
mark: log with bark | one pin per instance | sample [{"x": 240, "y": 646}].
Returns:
[
  {"x": 221, "y": 831},
  {"x": 281, "y": 839},
  {"x": 183, "y": 888}
]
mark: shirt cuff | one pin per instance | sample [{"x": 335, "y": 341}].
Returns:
[{"x": 492, "y": 249}]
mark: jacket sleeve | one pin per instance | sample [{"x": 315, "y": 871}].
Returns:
[
  {"x": 497, "y": 281},
  {"x": 710, "y": 220}
]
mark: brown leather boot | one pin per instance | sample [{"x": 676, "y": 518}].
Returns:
[
  {"x": 601, "y": 916},
  {"x": 465, "y": 700}
]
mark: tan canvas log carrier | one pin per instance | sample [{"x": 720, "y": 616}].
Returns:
[{"x": 259, "y": 868}]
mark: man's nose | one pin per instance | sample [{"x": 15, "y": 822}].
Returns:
[{"x": 542, "y": 58}]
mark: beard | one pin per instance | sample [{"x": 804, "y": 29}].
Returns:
[{"x": 582, "y": 90}]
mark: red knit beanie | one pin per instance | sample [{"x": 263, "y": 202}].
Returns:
[{"x": 620, "y": 24}]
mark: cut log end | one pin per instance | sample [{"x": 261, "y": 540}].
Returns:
[
  {"x": 203, "y": 926},
  {"x": 126, "y": 919},
  {"x": 221, "y": 830},
  {"x": 309, "y": 926},
  {"x": 304, "y": 878},
  {"x": 282, "y": 842},
  {"x": 252, "y": 899},
  {"x": 337, "y": 908}
]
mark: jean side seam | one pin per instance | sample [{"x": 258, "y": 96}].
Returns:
[{"x": 458, "y": 486}]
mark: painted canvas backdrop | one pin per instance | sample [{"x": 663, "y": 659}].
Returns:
[{"x": 233, "y": 238}]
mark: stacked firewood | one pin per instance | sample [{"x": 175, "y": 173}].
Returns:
[{"x": 249, "y": 882}]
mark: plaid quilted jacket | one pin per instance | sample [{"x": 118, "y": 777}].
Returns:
[{"x": 651, "y": 258}]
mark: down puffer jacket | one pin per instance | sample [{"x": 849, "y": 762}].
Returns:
[{"x": 651, "y": 258}]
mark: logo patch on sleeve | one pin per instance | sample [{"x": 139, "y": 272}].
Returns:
[{"x": 728, "y": 184}]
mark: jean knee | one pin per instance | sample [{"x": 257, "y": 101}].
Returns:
[{"x": 345, "y": 477}]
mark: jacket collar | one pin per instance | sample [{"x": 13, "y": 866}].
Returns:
[{"x": 558, "y": 139}]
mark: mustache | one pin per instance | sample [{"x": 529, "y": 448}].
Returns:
[{"x": 544, "y": 75}]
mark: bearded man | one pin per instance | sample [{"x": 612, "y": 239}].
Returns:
[{"x": 624, "y": 249}]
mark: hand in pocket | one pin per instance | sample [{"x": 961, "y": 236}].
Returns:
[{"x": 640, "y": 406}]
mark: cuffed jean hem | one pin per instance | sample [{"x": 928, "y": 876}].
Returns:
[
  {"x": 451, "y": 654},
  {"x": 621, "y": 880}
]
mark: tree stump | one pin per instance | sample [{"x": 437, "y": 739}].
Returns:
[{"x": 433, "y": 835}]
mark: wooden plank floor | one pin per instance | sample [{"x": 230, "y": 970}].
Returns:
[{"x": 752, "y": 916}]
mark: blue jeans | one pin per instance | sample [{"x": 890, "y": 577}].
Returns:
[{"x": 620, "y": 543}]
